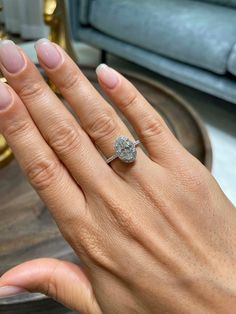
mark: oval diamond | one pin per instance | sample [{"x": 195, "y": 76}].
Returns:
[{"x": 125, "y": 149}]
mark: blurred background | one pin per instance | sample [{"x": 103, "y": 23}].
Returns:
[
  {"x": 181, "y": 54},
  {"x": 22, "y": 18}
]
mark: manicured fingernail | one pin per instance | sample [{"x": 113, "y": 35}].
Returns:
[
  {"x": 107, "y": 75},
  {"x": 5, "y": 96},
  {"x": 10, "y": 56},
  {"x": 48, "y": 53},
  {"x": 9, "y": 291}
]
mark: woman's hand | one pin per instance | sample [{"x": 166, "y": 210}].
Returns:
[{"x": 154, "y": 236}]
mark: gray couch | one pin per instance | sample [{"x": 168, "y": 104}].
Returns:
[{"x": 192, "y": 42}]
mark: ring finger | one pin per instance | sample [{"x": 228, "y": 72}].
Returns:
[{"x": 96, "y": 116}]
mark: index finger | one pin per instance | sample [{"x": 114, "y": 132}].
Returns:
[{"x": 45, "y": 172}]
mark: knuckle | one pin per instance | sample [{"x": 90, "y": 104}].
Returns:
[
  {"x": 52, "y": 289},
  {"x": 71, "y": 81},
  {"x": 195, "y": 179},
  {"x": 102, "y": 126},
  {"x": 65, "y": 139},
  {"x": 16, "y": 128},
  {"x": 120, "y": 214},
  {"x": 199, "y": 182},
  {"x": 93, "y": 247},
  {"x": 127, "y": 223},
  {"x": 151, "y": 127},
  {"x": 42, "y": 173},
  {"x": 129, "y": 101},
  {"x": 31, "y": 90}
]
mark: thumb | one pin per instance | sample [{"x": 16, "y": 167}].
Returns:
[{"x": 63, "y": 281}]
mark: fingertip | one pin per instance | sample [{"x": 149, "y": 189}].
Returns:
[
  {"x": 49, "y": 53},
  {"x": 10, "y": 291},
  {"x": 107, "y": 76},
  {"x": 61, "y": 280},
  {"x": 35, "y": 273},
  {"x": 28, "y": 272},
  {"x": 100, "y": 68},
  {"x": 39, "y": 42}
]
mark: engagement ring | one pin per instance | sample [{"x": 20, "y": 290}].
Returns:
[{"x": 125, "y": 150}]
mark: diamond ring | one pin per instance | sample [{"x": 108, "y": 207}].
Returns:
[{"x": 125, "y": 150}]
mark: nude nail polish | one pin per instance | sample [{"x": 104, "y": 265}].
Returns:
[
  {"x": 48, "y": 53},
  {"x": 107, "y": 76},
  {"x": 9, "y": 291},
  {"x": 10, "y": 56}
]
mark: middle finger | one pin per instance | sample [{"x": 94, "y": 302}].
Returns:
[
  {"x": 55, "y": 122},
  {"x": 97, "y": 117}
]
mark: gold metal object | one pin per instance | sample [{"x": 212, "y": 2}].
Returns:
[
  {"x": 6, "y": 154},
  {"x": 56, "y": 17}
]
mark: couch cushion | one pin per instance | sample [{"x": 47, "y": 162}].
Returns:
[
  {"x": 230, "y": 3},
  {"x": 189, "y": 31},
  {"x": 217, "y": 85}
]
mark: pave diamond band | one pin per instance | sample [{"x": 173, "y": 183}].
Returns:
[{"x": 125, "y": 150}]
